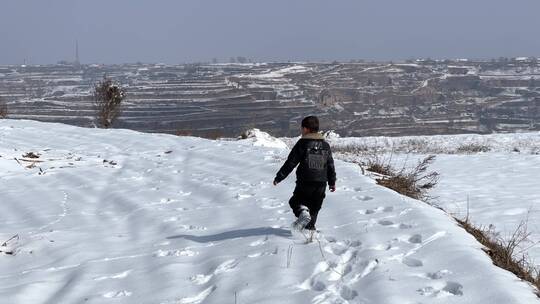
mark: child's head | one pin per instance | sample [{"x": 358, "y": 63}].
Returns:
[{"x": 310, "y": 124}]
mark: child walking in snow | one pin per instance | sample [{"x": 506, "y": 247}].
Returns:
[{"x": 316, "y": 169}]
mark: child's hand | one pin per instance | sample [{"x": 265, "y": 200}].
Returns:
[
  {"x": 332, "y": 188},
  {"x": 275, "y": 183}
]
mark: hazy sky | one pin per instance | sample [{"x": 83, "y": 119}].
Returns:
[{"x": 119, "y": 31}]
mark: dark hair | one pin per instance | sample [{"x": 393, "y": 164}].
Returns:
[{"x": 311, "y": 123}]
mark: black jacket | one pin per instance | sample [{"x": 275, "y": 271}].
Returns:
[{"x": 312, "y": 168}]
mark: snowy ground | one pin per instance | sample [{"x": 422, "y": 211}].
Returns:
[
  {"x": 115, "y": 216},
  {"x": 500, "y": 186},
  {"x": 502, "y": 189}
]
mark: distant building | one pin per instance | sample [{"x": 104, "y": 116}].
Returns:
[{"x": 457, "y": 70}]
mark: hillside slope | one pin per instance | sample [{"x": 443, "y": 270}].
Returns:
[{"x": 116, "y": 216}]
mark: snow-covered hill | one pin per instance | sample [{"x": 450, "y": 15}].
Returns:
[{"x": 116, "y": 216}]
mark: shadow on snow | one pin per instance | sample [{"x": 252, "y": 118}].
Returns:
[{"x": 234, "y": 234}]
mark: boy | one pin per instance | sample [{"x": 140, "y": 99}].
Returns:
[{"x": 315, "y": 170}]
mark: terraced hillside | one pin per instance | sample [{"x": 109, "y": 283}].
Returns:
[{"x": 355, "y": 99}]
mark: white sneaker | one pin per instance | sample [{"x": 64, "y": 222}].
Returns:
[{"x": 303, "y": 219}]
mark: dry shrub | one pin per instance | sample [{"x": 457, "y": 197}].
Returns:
[
  {"x": 472, "y": 148},
  {"x": 108, "y": 97},
  {"x": 380, "y": 168},
  {"x": 3, "y": 109},
  {"x": 504, "y": 252},
  {"x": 414, "y": 182}
]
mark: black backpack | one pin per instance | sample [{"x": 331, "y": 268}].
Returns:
[{"x": 316, "y": 156}]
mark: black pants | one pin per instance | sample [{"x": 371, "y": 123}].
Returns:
[{"x": 310, "y": 195}]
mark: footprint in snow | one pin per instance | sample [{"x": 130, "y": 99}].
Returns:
[
  {"x": 412, "y": 262},
  {"x": 347, "y": 293},
  {"x": 388, "y": 223},
  {"x": 442, "y": 290},
  {"x": 339, "y": 271},
  {"x": 453, "y": 288},
  {"x": 436, "y": 275},
  {"x": 415, "y": 239},
  {"x": 339, "y": 294},
  {"x": 405, "y": 226},
  {"x": 385, "y": 222},
  {"x": 376, "y": 210},
  {"x": 315, "y": 282},
  {"x": 387, "y": 209},
  {"x": 363, "y": 198},
  {"x": 327, "y": 277}
]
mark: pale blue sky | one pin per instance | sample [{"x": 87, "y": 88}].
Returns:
[{"x": 118, "y": 31}]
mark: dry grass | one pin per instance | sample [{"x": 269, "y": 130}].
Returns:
[
  {"x": 214, "y": 134},
  {"x": 504, "y": 252},
  {"x": 421, "y": 146},
  {"x": 380, "y": 168},
  {"x": 380, "y": 165},
  {"x": 354, "y": 149},
  {"x": 472, "y": 148},
  {"x": 183, "y": 133},
  {"x": 414, "y": 182}
]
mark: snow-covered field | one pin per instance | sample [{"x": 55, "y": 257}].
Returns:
[
  {"x": 499, "y": 188},
  {"x": 116, "y": 216},
  {"x": 503, "y": 189}
]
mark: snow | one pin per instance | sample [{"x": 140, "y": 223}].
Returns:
[
  {"x": 116, "y": 216},
  {"x": 262, "y": 139},
  {"x": 280, "y": 73},
  {"x": 527, "y": 142},
  {"x": 331, "y": 135},
  {"x": 502, "y": 190},
  {"x": 499, "y": 188}
]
